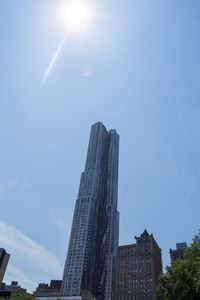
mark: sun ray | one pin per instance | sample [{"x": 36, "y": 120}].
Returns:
[
  {"x": 50, "y": 67},
  {"x": 78, "y": 18}
]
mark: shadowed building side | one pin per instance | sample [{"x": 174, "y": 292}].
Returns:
[{"x": 4, "y": 258}]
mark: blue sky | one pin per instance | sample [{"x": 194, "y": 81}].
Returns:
[{"x": 138, "y": 71}]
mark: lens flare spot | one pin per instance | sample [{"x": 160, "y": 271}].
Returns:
[{"x": 76, "y": 14}]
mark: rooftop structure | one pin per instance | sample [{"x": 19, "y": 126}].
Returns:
[
  {"x": 45, "y": 290},
  {"x": 178, "y": 253}
]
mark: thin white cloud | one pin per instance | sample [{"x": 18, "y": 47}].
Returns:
[
  {"x": 17, "y": 243},
  {"x": 62, "y": 224},
  {"x": 6, "y": 187},
  {"x": 13, "y": 273},
  {"x": 87, "y": 74},
  {"x": 189, "y": 192}
]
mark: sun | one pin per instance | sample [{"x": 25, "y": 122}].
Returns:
[
  {"x": 76, "y": 14},
  {"x": 77, "y": 18}
]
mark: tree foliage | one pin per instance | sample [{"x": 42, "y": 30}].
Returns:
[
  {"x": 22, "y": 297},
  {"x": 182, "y": 279},
  {"x": 19, "y": 297}
]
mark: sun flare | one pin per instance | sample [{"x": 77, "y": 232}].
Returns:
[
  {"x": 76, "y": 14},
  {"x": 78, "y": 19}
]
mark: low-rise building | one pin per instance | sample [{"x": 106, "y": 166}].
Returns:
[
  {"x": 138, "y": 268},
  {"x": 46, "y": 290},
  {"x": 12, "y": 289}
]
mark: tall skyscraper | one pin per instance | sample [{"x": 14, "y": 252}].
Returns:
[{"x": 90, "y": 264}]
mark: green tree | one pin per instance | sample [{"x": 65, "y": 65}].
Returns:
[
  {"x": 182, "y": 279},
  {"x": 22, "y": 297}
]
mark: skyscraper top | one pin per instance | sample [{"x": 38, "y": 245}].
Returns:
[
  {"x": 101, "y": 124},
  {"x": 100, "y": 146}
]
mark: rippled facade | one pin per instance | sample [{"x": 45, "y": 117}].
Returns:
[{"x": 91, "y": 259}]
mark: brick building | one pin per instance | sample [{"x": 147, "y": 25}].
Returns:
[{"x": 138, "y": 269}]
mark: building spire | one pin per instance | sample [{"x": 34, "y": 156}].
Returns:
[{"x": 145, "y": 233}]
